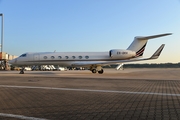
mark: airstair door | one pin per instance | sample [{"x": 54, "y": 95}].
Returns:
[{"x": 36, "y": 59}]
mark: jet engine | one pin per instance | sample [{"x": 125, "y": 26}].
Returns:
[{"x": 121, "y": 54}]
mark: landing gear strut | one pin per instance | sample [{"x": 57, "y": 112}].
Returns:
[{"x": 22, "y": 70}]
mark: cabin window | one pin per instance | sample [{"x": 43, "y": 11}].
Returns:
[
  {"x": 118, "y": 52},
  {"x": 66, "y": 57},
  {"x": 59, "y": 57},
  {"x": 87, "y": 57},
  {"x": 73, "y": 57},
  {"x": 52, "y": 57},
  {"x": 23, "y": 55},
  {"x": 80, "y": 57},
  {"x": 45, "y": 57}
]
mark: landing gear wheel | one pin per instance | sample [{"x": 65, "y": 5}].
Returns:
[
  {"x": 22, "y": 71},
  {"x": 101, "y": 71},
  {"x": 94, "y": 70}
]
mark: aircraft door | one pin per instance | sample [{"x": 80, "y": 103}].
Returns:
[
  {"x": 36, "y": 58},
  {"x": 110, "y": 53}
]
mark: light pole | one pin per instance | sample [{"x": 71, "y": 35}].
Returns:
[{"x": 1, "y": 32}]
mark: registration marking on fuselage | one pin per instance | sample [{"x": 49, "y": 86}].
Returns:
[{"x": 89, "y": 90}]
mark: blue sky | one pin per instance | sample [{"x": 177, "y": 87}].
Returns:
[{"x": 90, "y": 25}]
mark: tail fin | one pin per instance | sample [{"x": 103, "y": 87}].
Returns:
[{"x": 139, "y": 43}]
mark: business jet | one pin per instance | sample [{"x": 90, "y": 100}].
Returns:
[{"x": 93, "y": 60}]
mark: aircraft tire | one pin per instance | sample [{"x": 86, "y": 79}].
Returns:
[
  {"x": 94, "y": 70},
  {"x": 101, "y": 71},
  {"x": 21, "y": 72}
]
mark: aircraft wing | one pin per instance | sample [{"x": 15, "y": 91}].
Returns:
[{"x": 104, "y": 63}]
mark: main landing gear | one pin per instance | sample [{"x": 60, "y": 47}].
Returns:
[{"x": 97, "y": 69}]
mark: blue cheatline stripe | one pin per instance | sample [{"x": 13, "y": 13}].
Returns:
[{"x": 90, "y": 90}]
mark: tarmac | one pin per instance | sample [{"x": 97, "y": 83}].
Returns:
[{"x": 77, "y": 95}]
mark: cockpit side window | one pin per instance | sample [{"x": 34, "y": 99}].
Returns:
[{"x": 23, "y": 55}]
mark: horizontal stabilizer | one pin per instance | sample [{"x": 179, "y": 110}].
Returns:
[{"x": 152, "y": 36}]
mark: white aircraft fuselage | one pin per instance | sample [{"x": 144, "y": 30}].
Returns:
[{"x": 72, "y": 58}]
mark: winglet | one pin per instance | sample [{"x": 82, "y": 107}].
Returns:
[{"x": 158, "y": 52}]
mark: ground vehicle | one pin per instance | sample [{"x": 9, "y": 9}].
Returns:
[
  {"x": 27, "y": 68},
  {"x": 46, "y": 68},
  {"x": 61, "y": 69}
]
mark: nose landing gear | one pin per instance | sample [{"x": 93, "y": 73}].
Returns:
[{"x": 22, "y": 70}]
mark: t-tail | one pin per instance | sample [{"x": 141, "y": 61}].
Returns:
[{"x": 139, "y": 43}]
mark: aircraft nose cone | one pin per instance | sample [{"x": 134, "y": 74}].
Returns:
[{"x": 12, "y": 61}]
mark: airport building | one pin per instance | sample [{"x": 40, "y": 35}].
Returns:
[{"x": 4, "y": 58}]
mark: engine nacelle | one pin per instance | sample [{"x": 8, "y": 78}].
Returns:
[{"x": 121, "y": 54}]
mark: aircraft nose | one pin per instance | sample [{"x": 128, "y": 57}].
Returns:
[{"x": 12, "y": 61}]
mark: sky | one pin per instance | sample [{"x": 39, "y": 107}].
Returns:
[{"x": 90, "y": 26}]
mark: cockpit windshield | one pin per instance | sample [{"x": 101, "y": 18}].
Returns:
[{"x": 23, "y": 55}]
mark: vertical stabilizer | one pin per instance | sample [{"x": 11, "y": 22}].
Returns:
[{"x": 139, "y": 43}]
